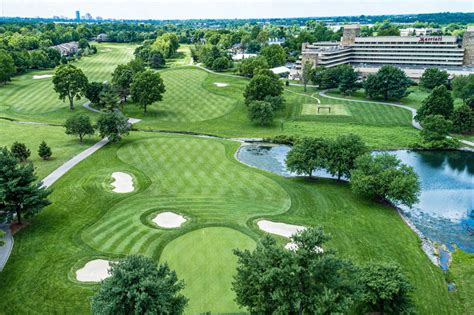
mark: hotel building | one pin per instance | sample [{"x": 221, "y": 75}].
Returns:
[{"x": 414, "y": 53}]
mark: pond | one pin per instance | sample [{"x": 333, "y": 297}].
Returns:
[{"x": 445, "y": 212}]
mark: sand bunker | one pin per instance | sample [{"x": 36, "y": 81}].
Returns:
[
  {"x": 123, "y": 182},
  {"x": 220, "y": 84},
  {"x": 169, "y": 220},
  {"x": 292, "y": 246},
  {"x": 94, "y": 271},
  {"x": 277, "y": 228},
  {"x": 43, "y": 76}
]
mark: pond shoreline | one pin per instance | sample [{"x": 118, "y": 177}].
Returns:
[{"x": 432, "y": 248}]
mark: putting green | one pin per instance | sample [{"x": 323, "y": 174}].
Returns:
[
  {"x": 205, "y": 261},
  {"x": 325, "y": 110}
]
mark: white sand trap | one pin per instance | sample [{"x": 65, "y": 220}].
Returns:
[
  {"x": 123, "y": 182},
  {"x": 42, "y": 76},
  {"x": 220, "y": 84},
  {"x": 94, "y": 271},
  {"x": 277, "y": 228},
  {"x": 292, "y": 246},
  {"x": 169, "y": 220}
]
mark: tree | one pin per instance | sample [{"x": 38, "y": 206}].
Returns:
[
  {"x": 261, "y": 112},
  {"x": 433, "y": 77},
  {"x": 137, "y": 286},
  {"x": 435, "y": 128},
  {"x": 221, "y": 63},
  {"x": 306, "y": 73},
  {"x": 306, "y": 280},
  {"x": 384, "y": 177},
  {"x": 109, "y": 98},
  {"x": 348, "y": 79},
  {"x": 20, "y": 151},
  {"x": 93, "y": 91},
  {"x": 275, "y": 55},
  {"x": 439, "y": 102},
  {"x": 44, "y": 151},
  {"x": 342, "y": 154},
  {"x": 147, "y": 88},
  {"x": 122, "y": 79},
  {"x": 79, "y": 125},
  {"x": 330, "y": 78},
  {"x": 167, "y": 44},
  {"x": 83, "y": 43},
  {"x": 7, "y": 66},
  {"x": 249, "y": 66},
  {"x": 2, "y": 234},
  {"x": 156, "y": 60},
  {"x": 113, "y": 125},
  {"x": 463, "y": 86},
  {"x": 463, "y": 119},
  {"x": 39, "y": 60},
  {"x": 307, "y": 155},
  {"x": 385, "y": 289},
  {"x": 20, "y": 194},
  {"x": 262, "y": 86},
  {"x": 388, "y": 82},
  {"x": 70, "y": 82}
]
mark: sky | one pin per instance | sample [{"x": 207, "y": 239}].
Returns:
[{"x": 201, "y": 9}]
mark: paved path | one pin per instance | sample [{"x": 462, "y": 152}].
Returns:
[
  {"x": 88, "y": 106},
  {"x": 6, "y": 249},
  {"x": 50, "y": 180}
]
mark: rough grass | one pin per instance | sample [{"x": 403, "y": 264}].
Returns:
[
  {"x": 200, "y": 179},
  {"x": 63, "y": 146},
  {"x": 31, "y": 99}
]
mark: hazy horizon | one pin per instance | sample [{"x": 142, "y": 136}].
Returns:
[{"x": 221, "y": 9}]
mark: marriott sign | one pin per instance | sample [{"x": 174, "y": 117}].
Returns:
[{"x": 431, "y": 39}]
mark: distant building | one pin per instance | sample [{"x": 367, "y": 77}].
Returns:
[
  {"x": 78, "y": 15},
  {"x": 419, "y": 31},
  {"x": 102, "y": 38},
  {"x": 87, "y": 16},
  {"x": 276, "y": 41},
  {"x": 407, "y": 52},
  {"x": 281, "y": 71},
  {"x": 67, "y": 49}
]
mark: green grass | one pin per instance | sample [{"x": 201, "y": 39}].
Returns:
[
  {"x": 63, "y": 146},
  {"x": 200, "y": 179},
  {"x": 31, "y": 99},
  {"x": 181, "y": 58},
  {"x": 193, "y": 103},
  {"x": 205, "y": 259},
  {"x": 462, "y": 272}
]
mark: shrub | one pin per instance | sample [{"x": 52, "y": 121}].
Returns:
[
  {"x": 261, "y": 112},
  {"x": 20, "y": 151},
  {"x": 44, "y": 151}
]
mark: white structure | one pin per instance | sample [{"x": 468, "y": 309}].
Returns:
[
  {"x": 281, "y": 71},
  {"x": 276, "y": 41},
  {"x": 67, "y": 49},
  {"x": 419, "y": 31}
]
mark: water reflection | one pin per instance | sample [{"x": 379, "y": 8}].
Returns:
[{"x": 445, "y": 212}]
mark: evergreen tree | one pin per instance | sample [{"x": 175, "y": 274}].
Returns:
[
  {"x": 439, "y": 102},
  {"x": 20, "y": 194},
  {"x": 44, "y": 151},
  {"x": 20, "y": 151}
]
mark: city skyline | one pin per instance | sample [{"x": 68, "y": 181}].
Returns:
[{"x": 219, "y": 9}]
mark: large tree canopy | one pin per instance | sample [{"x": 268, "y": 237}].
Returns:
[
  {"x": 383, "y": 176},
  {"x": 147, "y": 88},
  {"x": 388, "y": 82},
  {"x": 70, "y": 82},
  {"x": 304, "y": 280},
  {"x": 137, "y": 286},
  {"x": 307, "y": 155}
]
